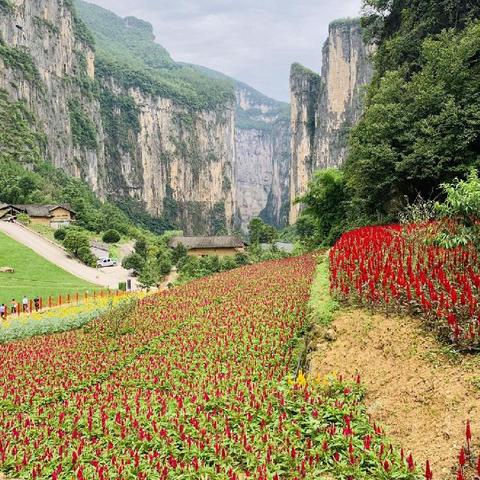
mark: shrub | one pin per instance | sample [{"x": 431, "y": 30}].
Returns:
[
  {"x": 461, "y": 213},
  {"x": 134, "y": 261},
  {"x": 149, "y": 275},
  {"x": 75, "y": 240},
  {"x": 86, "y": 256},
  {"x": 261, "y": 232},
  {"x": 60, "y": 234},
  {"x": 141, "y": 247},
  {"x": 24, "y": 219},
  {"x": 164, "y": 265},
  {"x": 241, "y": 259},
  {"x": 179, "y": 253},
  {"x": 111, "y": 236}
]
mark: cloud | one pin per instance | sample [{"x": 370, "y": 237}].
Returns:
[{"x": 255, "y": 41}]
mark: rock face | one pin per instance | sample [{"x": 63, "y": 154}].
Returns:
[
  {"x": 305, "y": 88},
  {"x": 44, "y": 61},
  {"x": 325, "y": 107},
  {"x": 262, "y": 158},
  {"x": 177, "y": 163},
  {"x": 204, "y": 169}
]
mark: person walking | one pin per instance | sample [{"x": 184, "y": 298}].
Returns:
[
  {"x": 3, "y": 311},
  {"x": 25, "y": 304},
  {"x": 36, "y": 302},
  {"x": 13, "y": 307}
]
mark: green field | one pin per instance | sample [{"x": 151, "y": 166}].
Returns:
[{"x": 33, "y": 274}]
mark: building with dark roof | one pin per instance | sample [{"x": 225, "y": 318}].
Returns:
[
  {"x": 50, "y": 215},
  {"x": 203, "y": 246}
]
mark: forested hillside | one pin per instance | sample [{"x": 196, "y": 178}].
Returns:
[
  {"x": 125, "y": 50},
  {"x": 421, "y": 125}
]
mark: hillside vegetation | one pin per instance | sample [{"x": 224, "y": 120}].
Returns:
[
  {"x": 421, "y": 122},
  {"x": 126, "y": 50}
]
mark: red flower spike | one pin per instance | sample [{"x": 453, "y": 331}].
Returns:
[
  {"x": 410, "y": 463},
  {"x": 468, "y": 433},
  {"x": 428, "y": 471}
]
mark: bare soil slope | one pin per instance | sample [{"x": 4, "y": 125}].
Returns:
[{"x": 422, "y": 393}]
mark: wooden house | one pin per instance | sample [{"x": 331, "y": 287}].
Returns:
[{"x": 54, "y": 216}]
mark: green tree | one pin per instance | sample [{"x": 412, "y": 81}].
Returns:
[
  {"x": 134, "y": 261},
  {"x": 418, "y": 131},
  {"x": 149, "y": 275},
  {"x": 141, "y": 247},
  {"x": 75, "y": 240},
  {"x": 111, "y": 236},
  {"x": 179, "y": 253},
  {"x": 324, "y": 217},
  {"x": 164, "y": 263},
  {"x": 398, "y": 28},
  {"x": 261, "y": 232},
  {"x": 86, "y": 256},
  {"x": 27, "y": 184},
  {"x": 60, "y": 234}
]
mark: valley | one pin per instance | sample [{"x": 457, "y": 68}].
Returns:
[{"x": 201, "y": 282}]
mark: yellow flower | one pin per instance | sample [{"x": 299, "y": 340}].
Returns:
[{"x": 301, "y": 380}]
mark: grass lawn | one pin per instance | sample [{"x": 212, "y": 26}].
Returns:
[{"x": 33, "y": 274}]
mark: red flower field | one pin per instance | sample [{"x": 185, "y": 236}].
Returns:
[
  {"x": 192, "y": 384},
  {"x": 390, "y": 267}
]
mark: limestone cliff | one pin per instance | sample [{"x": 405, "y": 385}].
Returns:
[
  {"x": 305, "y": 88},
  {"x": 262, "y": 158},
  {"x": 165, "y": 152},
  {"x": 47, "y": 60},
  {"x": 202, "y": 153},
  {"x": 325, "y": 107}
]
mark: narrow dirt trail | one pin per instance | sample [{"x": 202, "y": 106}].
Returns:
[{"x": 421, "y": 394}]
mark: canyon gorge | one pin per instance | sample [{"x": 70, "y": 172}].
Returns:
[{"x": 200, "y": 150}]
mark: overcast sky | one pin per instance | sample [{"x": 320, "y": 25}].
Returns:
[{"x": 255, "y": 41}]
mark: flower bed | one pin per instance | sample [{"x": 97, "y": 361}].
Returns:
[
  {"x": 397, "y": 269},
  {"x": 59, "y": 319},
  {"x": 190, "y": 384}
]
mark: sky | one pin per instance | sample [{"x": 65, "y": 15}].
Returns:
[{"x": 254, "y": 41}]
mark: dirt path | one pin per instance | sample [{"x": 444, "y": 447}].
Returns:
[
  {"x": 422, "y": 394},
  {"x": 170, "y": 278},
  {"x": 107, "y": 277}
]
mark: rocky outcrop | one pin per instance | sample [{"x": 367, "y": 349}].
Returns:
[
  {"x": 262, "y": 158},
  {"x": 182, "y": 165},
  {"x": 175, "y": 162},
  {"x": 325, "y": 108},
  {"x": 46, "y": 62},
  {"x": 305, "y": 87}
]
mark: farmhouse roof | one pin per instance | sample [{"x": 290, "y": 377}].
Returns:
[
  {"x": 36, "y": 210},
  {"x": 227, "y": 241}
]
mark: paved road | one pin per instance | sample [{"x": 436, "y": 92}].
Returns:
[{"x": 106, "y": 277}]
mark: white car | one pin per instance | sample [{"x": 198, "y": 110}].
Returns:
[{"x": 106, "y": 262}]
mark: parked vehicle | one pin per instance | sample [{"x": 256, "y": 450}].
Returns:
[{"x": 106, "y": 262}]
